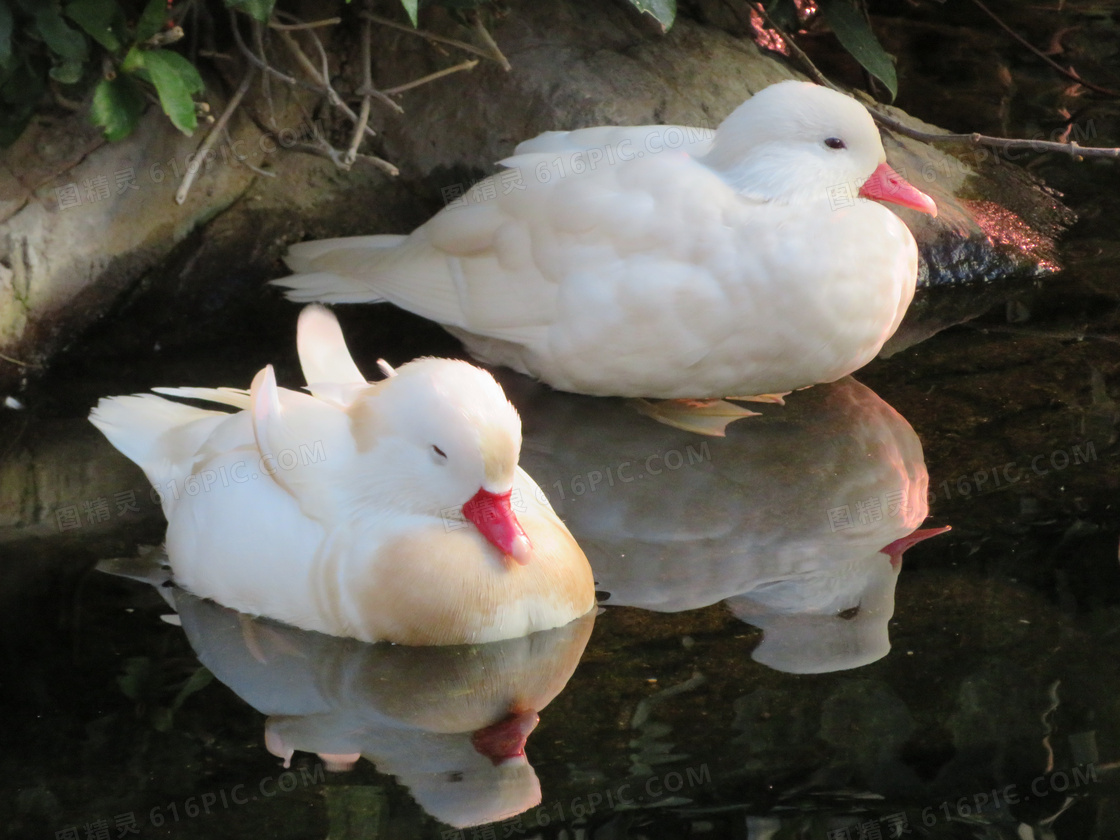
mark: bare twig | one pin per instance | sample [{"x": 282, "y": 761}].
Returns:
[
  {"x": 18, "y": 362},
  {"x": 322, "y": 84},
  {"x": 431, "y": 36},
  {"x": 366, "y": 90},
  {"x": 212, "y": 137},
  {"x": 324, "y": 74},
  {"x": 245, "y": 160},
  {"x": 470, "y": 64},
  {"x": 1069, "y": 74},
  {"x": 311, "y": 24},
  {"x": 266, "y": 82},
  {"x": 1072, "y": 148},
  {"x": 798, "y": 53},
  {"x": 321, "y": 149},
  {"x": 260, "y": 63},
  {"x": 488, "y": 39}
]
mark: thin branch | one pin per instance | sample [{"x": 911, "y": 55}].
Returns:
[
  {"x": 261, "y": 64},
  {"x": 488, "y": 39},
  {"x": 431, "y": 36},
  {"x": 18, "y": 362},
  {"x": 325, "y": 73},
  {"x": 798, "y": 53},
  {"x": 212, "y": 137},
  {"x": 313, "y": 24},
  {"x": 1069, "y": 74},
  {"x": 322, "y": 83},
  {"x": 470, "y": 64},
  {"x": 1072, "y": 148},
  {"x": 366, "y": 90},
  {"x": 245, "y": 160},
  {"x": 266, "y": 82}
]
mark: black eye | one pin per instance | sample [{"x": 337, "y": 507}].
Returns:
[
  {"x": 848, "y": 614},
  {"x": 438, "y": 451},
  {"x": 835, "y": 143}
]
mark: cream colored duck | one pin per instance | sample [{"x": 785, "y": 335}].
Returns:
[
  {"x": 652, "y": 262},
  {"x": 339, "y": 510}
]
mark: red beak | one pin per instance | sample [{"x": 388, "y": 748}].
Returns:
[
  {"x": 896, "y": 549},
  {"x": 492, "y": 515},
  {"x": 887, "y": 185},
  {"x": 505, "y": 739}
]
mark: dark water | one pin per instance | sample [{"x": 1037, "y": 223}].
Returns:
[{"x": 761, "y": 669}]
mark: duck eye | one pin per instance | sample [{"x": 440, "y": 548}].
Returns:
[
  {"x": 835, "y": 143},
  {"x": 848, "y": 614},
  {"x": 439, "y": 452}
]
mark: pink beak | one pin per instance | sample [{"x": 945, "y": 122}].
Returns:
[
  {"x": 896, "y": 549},
  {"x": 887, "y": 185},
  {"x": 505, "y": 739},
  {"x": 492, "y": 515}
]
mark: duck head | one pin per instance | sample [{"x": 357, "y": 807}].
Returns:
[
  {"x": 441, "y": 436},
  {"x": 795, "y": 141}
]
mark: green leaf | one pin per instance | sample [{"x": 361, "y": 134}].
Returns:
[
  {"x": 412, "y": 7},
  {"x": 68, "y": 73},
  {"x": 5, "y": 34},
  {"x": 97, "y": 17},
  {"x": 855, "y": 35},
  {"x": 57, "y": 34},
  {"x": 152, "y": 20},
  {"x": 134, "y": 63},
  {"x": 259, "y": 9},
  {"x": 176, "y": 81},
  {"x": 663, "y": 11},
  {"x": 117, "y": 106}
]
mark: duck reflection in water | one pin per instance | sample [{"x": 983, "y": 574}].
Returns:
[
  {"x": 797, "y": 519},
  {"x": 450, "y": 723}
]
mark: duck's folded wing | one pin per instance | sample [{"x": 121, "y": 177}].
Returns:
[
  {"x": 302, "y": 442},
  {"x": 613, "y": 141},
  {"x": 496, "y": 265}
]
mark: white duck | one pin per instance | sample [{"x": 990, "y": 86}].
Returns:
[
  {"x": 338, "y": 511},
  {"x": 650, "y": 262}
]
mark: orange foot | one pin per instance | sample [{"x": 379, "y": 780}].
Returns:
[{"x": 704, "y": 417}]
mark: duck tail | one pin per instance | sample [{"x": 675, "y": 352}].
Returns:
[
  {"x": 331, "y": 270},
  {"x": 156, "y": 434}
]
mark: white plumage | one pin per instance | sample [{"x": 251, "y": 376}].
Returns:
[
  {"x": 661, "y": 261},
  {"x": 384, "y": 511}
]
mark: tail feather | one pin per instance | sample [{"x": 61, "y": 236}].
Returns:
[
  {"x": 159, "y": 435},
  {"x": 325, "y": 287},
  {"x": 329, "y": 270}
]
